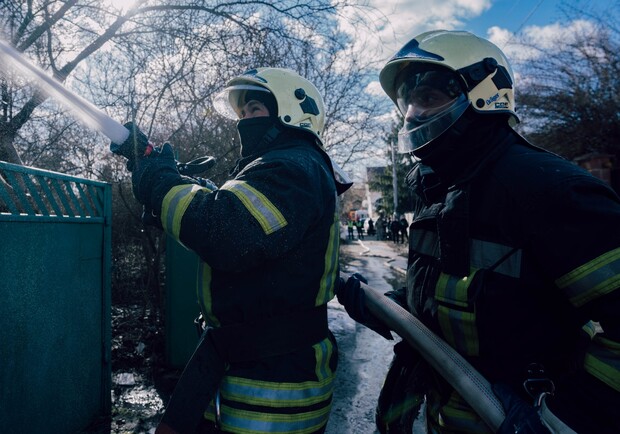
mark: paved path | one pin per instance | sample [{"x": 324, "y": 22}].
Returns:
[{"x": 364, "y": 356}]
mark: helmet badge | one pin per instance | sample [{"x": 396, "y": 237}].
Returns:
[{"x": 307, "y": 104}]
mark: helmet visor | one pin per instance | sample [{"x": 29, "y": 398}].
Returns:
[
  {"x": 231, "y": 100},
  {"x": 431, "y": 99},
  {"x": 416, "y": 133}
]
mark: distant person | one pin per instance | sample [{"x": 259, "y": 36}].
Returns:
[
  {"x": 360, "y": 229},
  {"x": 514, "y": 253},
  {"x": 404, "y": 226},
  {"x": 351, "y": 234},
  {"x": 371, "y": 227},
  {"x": 395, "y": 230},
  {"x": 380, "y": 228}
]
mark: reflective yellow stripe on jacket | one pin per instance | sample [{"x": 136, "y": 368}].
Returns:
[
  {"x": 175, "y": 204},
  {"x": 330, "y": 274},
  {"x": 598, "y": 277},
  {"x": 456, "y": 314},
  {"x": 603, "y": 361},
  {"x": 265, "y": 212},
  {"x": 588, "y": 282}
]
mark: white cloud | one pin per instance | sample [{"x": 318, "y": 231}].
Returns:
[
  {"x": 397, "y": 21},
  {"x": 374, "y": 88},
  {"x": 533, "y": 41}
]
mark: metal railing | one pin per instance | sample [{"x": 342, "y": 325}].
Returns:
[{"x": 28, "y": 193}]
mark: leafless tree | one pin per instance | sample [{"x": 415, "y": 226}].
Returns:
[
  {"x": 159, "y": 63},
  {"x": 149, "y": 51},
  {"x": 570, "y": 98}
]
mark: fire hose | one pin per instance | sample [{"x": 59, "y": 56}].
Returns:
[{"x": 468, "y": 382}]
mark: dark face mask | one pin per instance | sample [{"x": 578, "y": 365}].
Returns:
[{"x": 251, "y": 132}]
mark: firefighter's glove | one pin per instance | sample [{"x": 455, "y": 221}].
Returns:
[
  {"x": 154, "y": 176},
  {"x": 399, "y": 296},
  {"x": 351, "y": 295},
  {"x": 521, "y": 417},
  {"x": 135, "y": 148}
]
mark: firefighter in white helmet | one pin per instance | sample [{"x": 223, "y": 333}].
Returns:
[
  {"x": 268, "y": 243},
  {"x": 513, "y": 253}
]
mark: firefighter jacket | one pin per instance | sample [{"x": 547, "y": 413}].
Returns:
[
  {"x": 511, "y": 263},
  {"x": 268, "y": 241}
]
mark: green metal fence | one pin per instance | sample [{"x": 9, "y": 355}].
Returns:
[
  {"x": 55, "y": 327},
  {"x": 181, "y": 303}
]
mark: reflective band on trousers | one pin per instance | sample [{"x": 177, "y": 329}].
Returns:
[
  {"x": 592, "y": 280},
  {"x": 265, "y": 212},
  {"x": 255, "y": 406}
]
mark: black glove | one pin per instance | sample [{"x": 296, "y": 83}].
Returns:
[
  {"x": 136, "y": 146},
  {"x": 351, "y": 295},
  {"x": 399, "y": 296},
  {"x": 154, "y": 176},
  {"x": 521, "y": 417}
]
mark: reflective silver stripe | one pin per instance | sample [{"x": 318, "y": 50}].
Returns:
[
  {"x": 552, "y": 422},
  {"x": 425, "y": 242},
  {"x": 175, "y": 204},
  {"x": 484, "y": 254},
  {"x": 261, "y": 208},
  {"x": 603, "y": 361},
  {"x": 593, "y": 279}
]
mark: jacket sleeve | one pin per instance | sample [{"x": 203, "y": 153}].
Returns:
[
  {"x": 261, "y": 214},
  {"x": 578, "y": 243}
]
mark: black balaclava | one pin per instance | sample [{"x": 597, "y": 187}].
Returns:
[
  {"x": 252, "y": 131},
  {"x": 459, "y": 150}
]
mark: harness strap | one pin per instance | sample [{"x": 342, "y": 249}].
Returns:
[
  {"x": 552, "y": 422},
  {"x": 275, "y": 336}
]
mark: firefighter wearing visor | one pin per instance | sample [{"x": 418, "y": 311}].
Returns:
[
  {"x": 514, "y": 254},
  {"x": 268, "y": 240}
]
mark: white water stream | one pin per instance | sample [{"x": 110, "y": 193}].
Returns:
[{"x": 12, "y": 61}]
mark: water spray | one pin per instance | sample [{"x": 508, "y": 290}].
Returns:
[{"x": 83, "y": 110}]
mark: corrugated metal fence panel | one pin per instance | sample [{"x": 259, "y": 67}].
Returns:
[{"x": 55, "y": 327}]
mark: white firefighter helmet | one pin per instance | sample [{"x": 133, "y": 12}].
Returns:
[
  {"x": 471, "y": 71},
  {"x": 299, "y": 103}
]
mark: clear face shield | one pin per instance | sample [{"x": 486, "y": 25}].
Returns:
[
  {"x": 431, "y": 102},
  {"x": 230, "y": 101}
]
